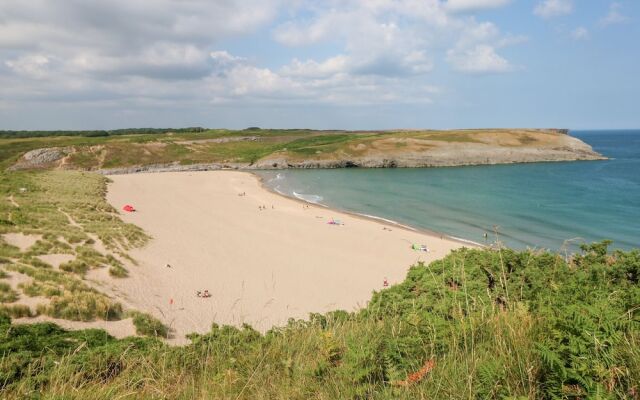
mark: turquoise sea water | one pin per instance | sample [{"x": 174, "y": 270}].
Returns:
[{"x": 532, "y": 205}]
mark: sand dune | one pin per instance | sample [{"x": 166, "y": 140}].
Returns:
[{"x": 261, "y": 266}]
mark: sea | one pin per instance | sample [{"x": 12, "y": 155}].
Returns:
[{"x": 555, "y": 206}]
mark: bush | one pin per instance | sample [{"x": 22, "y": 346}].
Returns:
[
  {"x": 476, "y": 324},
  {"x": 118, "y": 272},
  {"x": 82, "y": 306},
  {"x": 7, "y": 294},
  {"x": 76, "y": 266},
  {"x": 15, "y": 310},
  {"x": 147, "y": 325}
]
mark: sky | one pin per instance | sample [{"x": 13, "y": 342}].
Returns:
[{"x": 332, "y": 64}]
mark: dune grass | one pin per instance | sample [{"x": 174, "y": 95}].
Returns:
[
  {"x": 67, "y": 211},
  {"x": 7, "y": 294},
  {"x": 146, "y": 325}
]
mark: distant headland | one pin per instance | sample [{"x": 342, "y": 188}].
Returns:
[{"x": 140, "y": 150}]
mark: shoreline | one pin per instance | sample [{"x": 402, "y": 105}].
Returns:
[
  {"x": 263, "y": 256},
  {"x": 373, "y": 218}
]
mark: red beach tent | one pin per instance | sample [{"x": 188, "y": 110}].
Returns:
[{"x": 128, "y": 208}]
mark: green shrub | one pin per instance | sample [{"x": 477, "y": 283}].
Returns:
[
  {"x": 118, "y": 272},
  {"x": 7, "y": 294},
  {"x": 15, "y": 310},
  {"x": 147, "y": 325},
  {"x": 76, "y": 266},
  {"x": 81, "y": 306},
  {"x": 36, "y": 288}
]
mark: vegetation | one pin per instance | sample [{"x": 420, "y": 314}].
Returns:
[
  {"x": 67, "y": 213},
  {"x": 90, "y": 150},
  {"x": 15, "y": 311},
  {"x": 7, "y": 295},
  {"x": 97, "y": 133},
  {"x": 477, "y": 324},
  {"x": 146, "y": 325}
]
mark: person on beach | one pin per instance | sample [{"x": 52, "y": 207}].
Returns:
[
  {"x": 199, "y": 293},
  {"x": 206, "y": 294}
]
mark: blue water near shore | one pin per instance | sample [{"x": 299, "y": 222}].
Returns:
[{"x": 543, "y": 205}]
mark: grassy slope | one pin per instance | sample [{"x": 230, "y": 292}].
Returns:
[
  {"x": 295, "y": 144},
  {"x": 69, "y": 213},
  {"x": 497, "y": 324}
]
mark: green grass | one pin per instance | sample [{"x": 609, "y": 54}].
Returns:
[
  {"x": 147, "y": 325},
  {"x": 81, "y": 306},
  {"x": 498, "y": 324},
  {"x": 137, "y": 148},
  {"x": 7, "y": 294},
  {"x": 15, "y": 311},
  {"x": 118, "y": 272},
  {"x": 69, "y": 212}
]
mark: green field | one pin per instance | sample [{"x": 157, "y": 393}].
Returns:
[{"x": 478, "y": 324}]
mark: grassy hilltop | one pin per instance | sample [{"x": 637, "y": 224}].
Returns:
[
  {"x": 284, "y": 148},
  {"x": 477, "y": 324}
]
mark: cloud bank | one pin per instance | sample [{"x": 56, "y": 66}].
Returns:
[{"x": 154, "y": 53}]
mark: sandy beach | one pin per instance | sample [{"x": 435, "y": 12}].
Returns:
[{"x": 263, "y": 257}]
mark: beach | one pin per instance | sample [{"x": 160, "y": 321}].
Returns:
[{"x": 263, "y": 257}]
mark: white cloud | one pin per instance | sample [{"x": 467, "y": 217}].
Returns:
[
  {"x": 614, "y": 16},
  {"x": 480, "y": 59},
  {"x": 475, "y": 50},
  {"x": 311, "y": 82},
  {"x": 154, "y": 53},
  {"x": 580, "y": 33},
  {"x": 32, "y": 65},
  {"x": 472, "y": 5},
  {"x": 397, "y": 38},
  {"x": 553, "y": 8},
  {"x": 314, "y": 69}
]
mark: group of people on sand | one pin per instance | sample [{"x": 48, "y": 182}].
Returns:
[
  {"x": 204, "y": 294},
  {"x": 262, "y": 208}
]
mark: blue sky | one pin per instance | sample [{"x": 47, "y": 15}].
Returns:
[{"x": 348, "y": 64}]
